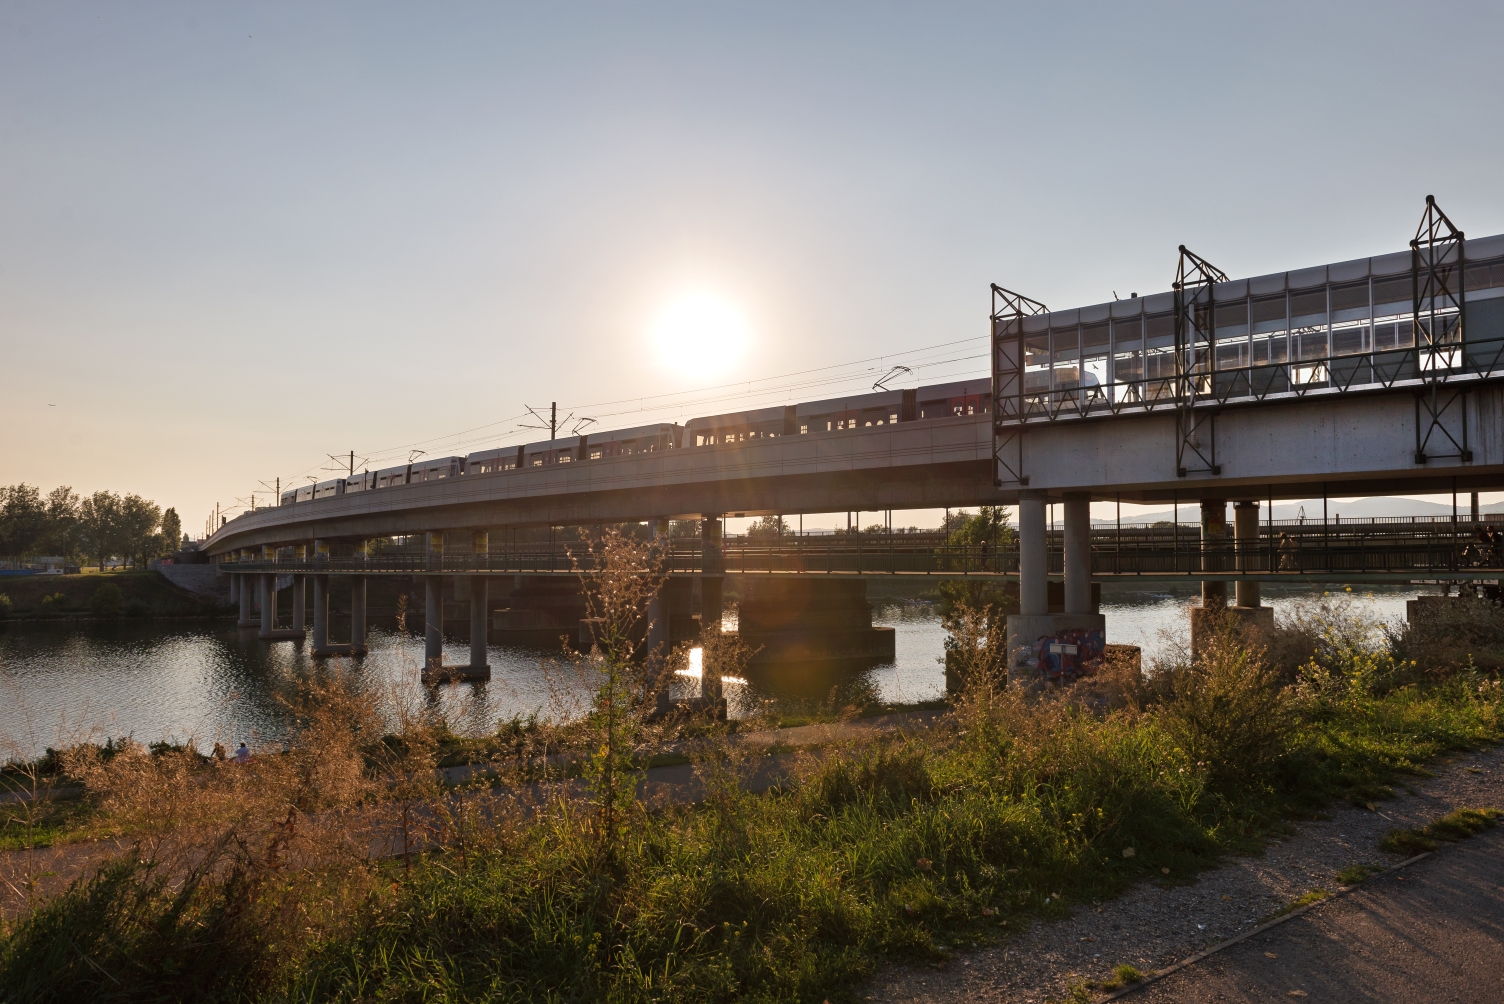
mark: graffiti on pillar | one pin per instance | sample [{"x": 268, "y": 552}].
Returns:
[{"x": 1068, "y": 655}]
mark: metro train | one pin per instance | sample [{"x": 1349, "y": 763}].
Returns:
[{"x": 816, "y": 418}]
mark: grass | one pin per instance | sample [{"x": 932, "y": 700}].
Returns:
[
  {"x": 1355, "y": 873},
  {"x": 1456, "y": 825},
  {"x": 896, "y": 848},
  {"x": 1123, "y": 975},
  {"x": 143, "y": 594}
]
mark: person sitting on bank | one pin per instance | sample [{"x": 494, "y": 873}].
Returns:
[
  {"x": 243, "y": 755},
  {"x": 219, "y": 753}
]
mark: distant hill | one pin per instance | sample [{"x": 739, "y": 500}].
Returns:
[{"x": 1365, "y": 508}]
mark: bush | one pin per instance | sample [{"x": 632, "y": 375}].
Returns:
[
  {"x": 4, "y": 606},
  {"x": 107, "y": 601},
  {"x": 1230, "y": 713},
  {"x": 1447, "y": 633}
]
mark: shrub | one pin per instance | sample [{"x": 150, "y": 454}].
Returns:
[
  {"x": 107, "y": 601},
  {"x": 1229, "y": 712},
  {"x": 1446, "y": 634},
  {"x": 4, "y": 605}
]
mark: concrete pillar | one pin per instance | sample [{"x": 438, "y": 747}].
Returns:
[
  {"x": 320, "y": 612},
  {"x": 1078, "y": 554},
  {"x": 245, "y": 601},
  {"x": 658, "y": 636},
  {"x": 357, "y": 614},
  {"x": 268, "y": 589},
  {"x": 1213, "y": 540},
  {"x": 1033, "y": 591},
  {"x": 433, "y": 623},
  {"x": 299, "y": 602},
  {"x": 479, "y": 595},
  {"x": 1245, "y": 528},
  {"x": 712, "y": 577},
  {"x": 234, "y": 588}
]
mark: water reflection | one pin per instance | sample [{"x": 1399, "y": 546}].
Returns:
[{"x": 160, "y": 680}]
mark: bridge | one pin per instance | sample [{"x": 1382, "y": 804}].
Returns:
[{"x": 1381, "y": 375}]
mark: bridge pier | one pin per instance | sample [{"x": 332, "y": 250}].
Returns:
[
  {"x": 321, "y": 615},
  {"x": 1045, "y": 647},
  {"x": 1213, "y": 537},
  {"x": 712, "y": 573},
  {"x": 268, "y": 589},
  {"x": 1253, "y": 620},
  {"x": 234, "y": 588},
  {"x": 433, "y": 624},
  {"x": 357, "y": 615},
  {"x": 244, "y": 591},
  {"x": 299, "y": 602},
  {"x": 658, "y": 630}
]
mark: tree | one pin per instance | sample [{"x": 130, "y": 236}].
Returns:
[
  {"x": 23, "y": 519},
  {"x": 98, "y": 523},
  {"x": 62, "y": 522},
  {"x": 139, "y": 519},
  {"x": 172, "y": 531},
  {"x": 768, "y": 528}
]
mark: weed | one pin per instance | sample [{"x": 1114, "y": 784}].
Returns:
[
  {"x": 1123, "y": 974},
  {"x": 1458, "y": 824},
  {"x": 1355, "y": 873}
]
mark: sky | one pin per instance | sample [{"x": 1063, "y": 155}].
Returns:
[{"x": 238, "y": 239}]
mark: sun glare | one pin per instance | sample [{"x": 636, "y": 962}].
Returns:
[{"x": 701, "y": 335}]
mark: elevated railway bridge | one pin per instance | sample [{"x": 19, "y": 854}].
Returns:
[{"x": 1381, "y": 375}]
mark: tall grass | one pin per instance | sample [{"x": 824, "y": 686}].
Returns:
[{"x": 1010, "y": 809}]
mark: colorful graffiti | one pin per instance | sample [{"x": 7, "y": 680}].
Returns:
[{"x": 1068, "y": 655}]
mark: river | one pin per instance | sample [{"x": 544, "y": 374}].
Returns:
[{"x": 165, "y": 680}]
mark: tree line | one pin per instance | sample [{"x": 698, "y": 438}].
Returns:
[{"x": 99, "y": 526}]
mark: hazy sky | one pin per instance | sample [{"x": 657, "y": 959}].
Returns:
[{"x": 236, "y": 238}]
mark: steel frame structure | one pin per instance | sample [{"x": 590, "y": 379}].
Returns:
[
  {"x": 1437, "y": 260},
  {"x": 1441, "y": 365},
  {"x": 1195, "y": 345},
  {"x": 1008, "y": 401}
]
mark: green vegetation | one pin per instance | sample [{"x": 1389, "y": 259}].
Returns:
[
  {"x": 1122, "y": 975},
  {"x": 128, "y": 594},
  {"x": 1355, "y": 873},
  {"x": 1456, "y": 825},
  {"x": 102, "y": 525},
  {"x": 260, "y": 884}
]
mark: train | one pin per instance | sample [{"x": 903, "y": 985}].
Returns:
[{"x": 832, "y": 416}]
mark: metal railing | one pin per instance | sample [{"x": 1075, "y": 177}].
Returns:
[
  {"x": 1449, "y": 549},
  {"x": 1448, "y": 362}
]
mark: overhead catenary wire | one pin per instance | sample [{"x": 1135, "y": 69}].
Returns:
[{"x": 856, "y": 374}]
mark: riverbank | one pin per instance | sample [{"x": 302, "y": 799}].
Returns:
[
  {"x": 138, "y": 595},
  {"x": 1008, "y": 811}
]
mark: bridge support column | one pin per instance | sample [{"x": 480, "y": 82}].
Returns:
[
  {"x": 657, "y": 643},
  {"x": 244, "y": 589},
  {"x": 1245, "y": 529},
  {"x": 234, "y": 588},
  {"x": 357, "y": 615},
  {"x": 1033, "y": 591},
  {"x": 299, "y": 602},
  {"x": 320, "y": 614},
  {"x": 1046, "y": 648},
  {"x": 1078, "y": 554},
  {"x": 1213, "y": 540},
  {"x": 433, "y": 624},
  {"x": 268, "y": 586},
  {"x": 479, "y": 600},
  {"x": 711, "y": 581}
]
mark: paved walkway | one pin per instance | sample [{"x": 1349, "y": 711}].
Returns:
[{"x": 1433, "y": 931}]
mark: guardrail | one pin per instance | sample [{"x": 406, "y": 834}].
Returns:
[{"x": 1449, "y": 555}]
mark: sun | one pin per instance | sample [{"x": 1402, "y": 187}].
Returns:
[{"x": 701, "y": 335}]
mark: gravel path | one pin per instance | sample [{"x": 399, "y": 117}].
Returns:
[{"x": 1153, "y": 926}]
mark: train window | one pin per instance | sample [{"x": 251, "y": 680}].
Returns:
[
  {"x": 595, "y": 454},
  {"x": 1394, "y": 295}
]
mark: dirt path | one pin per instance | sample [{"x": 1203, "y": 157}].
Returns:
[
  {"x": 1154, "y": 926},
  {"x": 1431, "y": 932}
]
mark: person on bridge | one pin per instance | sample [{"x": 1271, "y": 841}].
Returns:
[{"x": 1287, "y": 562}]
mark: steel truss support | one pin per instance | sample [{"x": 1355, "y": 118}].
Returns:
[
  {"x": 1008, "y": 404},
  {"x": 1437, "y": 256},
  {"x": 1195, "y": 338}
]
